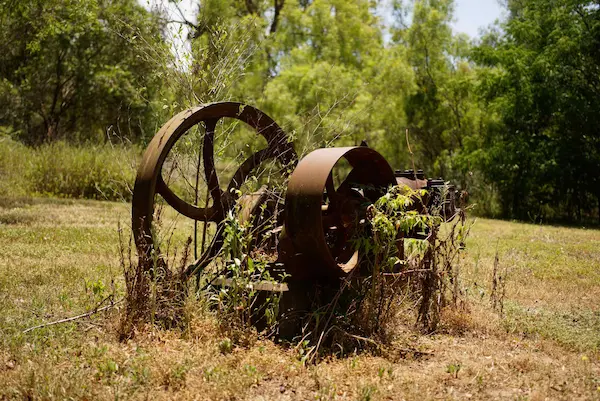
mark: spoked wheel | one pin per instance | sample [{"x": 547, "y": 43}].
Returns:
[
  {"x": 150, "y": 180},
  {"x": 321, "y": 220}
]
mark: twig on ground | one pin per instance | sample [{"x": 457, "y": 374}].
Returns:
[
  {"x": 359, "y": 338},
  {"x": 97, "y": 309},
  {"x": 404, "y": 272}
]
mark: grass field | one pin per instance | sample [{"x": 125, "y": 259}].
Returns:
[{"x": 59, "y": 258}]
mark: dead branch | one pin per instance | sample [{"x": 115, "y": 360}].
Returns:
[{"x": 97, "y": 309}]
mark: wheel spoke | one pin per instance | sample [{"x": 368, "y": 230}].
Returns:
[
  {"x": 186, "y": 209},
  {"x": 246, "y": 168},
  {"x": 208, "y": 158},
  {"x": 211, "y": 252}
]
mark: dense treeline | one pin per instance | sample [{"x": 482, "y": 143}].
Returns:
[
  {"x": 511, "y": 116},
  {"x": 541, "y": 76},
  {"x": 68, "y": 69}
]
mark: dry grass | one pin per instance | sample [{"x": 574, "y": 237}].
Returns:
[{"x": 60, "y": 258}]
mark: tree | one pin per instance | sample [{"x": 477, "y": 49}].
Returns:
[
  {"x": 543, "y": 80},
  {"x": 443, "y": 110},
  {"x": 320, "y": 68},
  {"x": 68, "y": 69}
]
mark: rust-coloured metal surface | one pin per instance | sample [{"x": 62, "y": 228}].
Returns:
[
  {"x": 320, "y": 231},
  {"x": 149, "y": 180},
  {"x": 439, "y": 194}
]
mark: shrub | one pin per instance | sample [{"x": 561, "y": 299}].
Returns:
[{"x": 59, "y": 169}]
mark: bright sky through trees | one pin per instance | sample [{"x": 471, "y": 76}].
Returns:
[
  {"x": 469, "y": 16},
  {"x": 472, "y": 15}
]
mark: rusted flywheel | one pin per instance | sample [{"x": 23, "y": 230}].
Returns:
[
  {"x": 320, "y": 219},
  {"x": 150, "y": 182}
]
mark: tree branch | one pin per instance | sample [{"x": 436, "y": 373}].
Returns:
[{"x": 278, "y": 4}]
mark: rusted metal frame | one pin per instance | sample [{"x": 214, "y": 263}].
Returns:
[
  {"x": 304, "y": 215},
  {"x": 305, "y": 227}
]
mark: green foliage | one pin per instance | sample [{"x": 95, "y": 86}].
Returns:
[
  {"x": 443, "y": 111},
  {"x": 58, "y": 169},
  {"x": 395, "y": 213},
  {"x": 14, "y": 166},
  {"x": 541, "y": 79},
  {"x": 238, "y": 302},
  {"x": 394, "y": 216},
  {"x": 93, "y": 172},
  {"x": 340, "y": 82},
  {"x": 320, "y": 68},
  {"x": 453, "y": 369},
  {"x": 68, "y": 69}
]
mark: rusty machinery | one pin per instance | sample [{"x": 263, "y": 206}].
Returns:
[{"x": 316, "y": 222}]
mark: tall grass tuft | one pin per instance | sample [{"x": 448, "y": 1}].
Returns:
[
  {"x": 156, "y": 290},
  {"x": 103, "y": 172},
  {"x": 92, "y": 172},
  {"x": 15, "y": 160}
]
